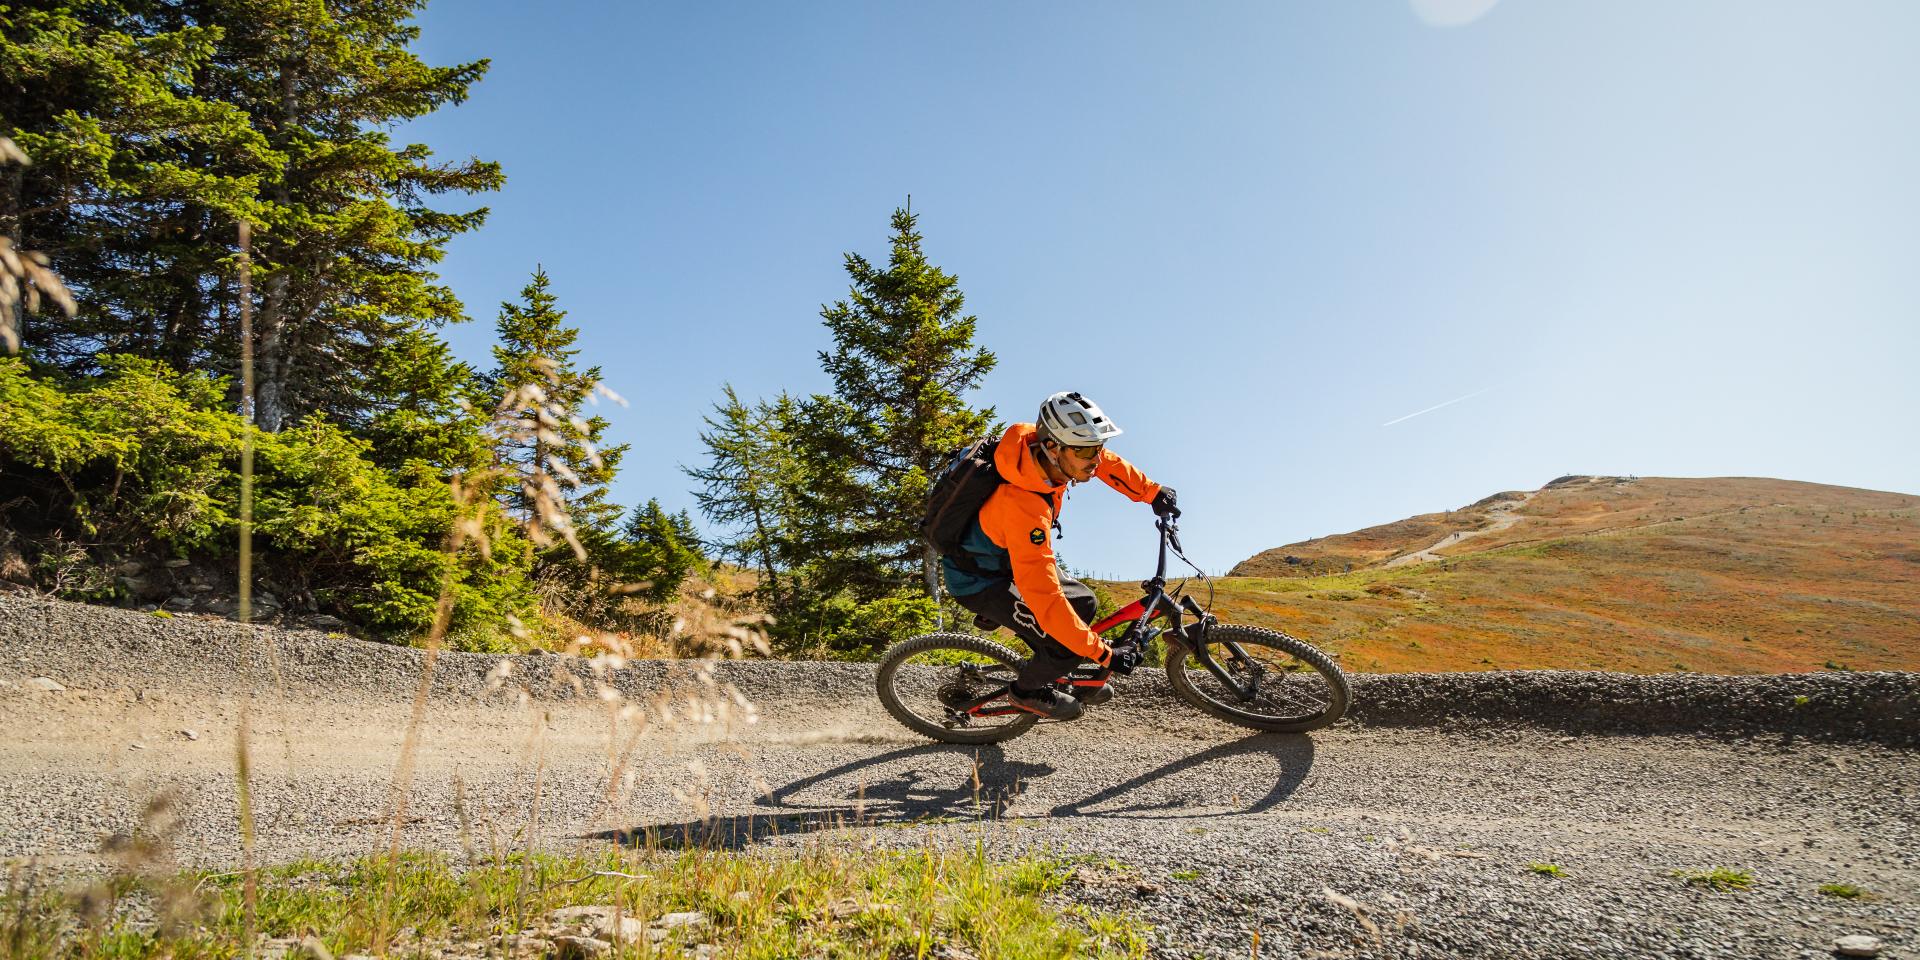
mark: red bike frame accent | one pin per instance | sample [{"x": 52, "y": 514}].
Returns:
[
  {"x": 1131, "y": 611},
  {"x": 1156, "y": 594}
]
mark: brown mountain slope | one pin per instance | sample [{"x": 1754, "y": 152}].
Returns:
[{"x": 1719, "y": 575}]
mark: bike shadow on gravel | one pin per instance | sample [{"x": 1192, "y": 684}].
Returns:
[
  {"x": 935, "y": 784},
  {"x": 924, "y": 784},
  {"x": 1292, "y": 752}
]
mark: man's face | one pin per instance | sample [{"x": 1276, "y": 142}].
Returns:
[{"x": 1077, "y": 462}]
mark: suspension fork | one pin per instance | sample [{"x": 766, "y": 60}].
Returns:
[{"x": 1196, "y": 640}]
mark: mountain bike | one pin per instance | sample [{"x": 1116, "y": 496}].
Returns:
[{"x": 953, "y": 686}]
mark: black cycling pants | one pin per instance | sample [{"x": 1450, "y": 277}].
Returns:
[{"x": 1051, "y": 659}]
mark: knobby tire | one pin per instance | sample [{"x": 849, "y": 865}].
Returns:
[
  {"x": 1191, "y": 684},
  {"x": 906, "y": 649}
]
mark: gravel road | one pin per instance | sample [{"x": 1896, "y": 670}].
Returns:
[{"x": 1408, "y": 834}]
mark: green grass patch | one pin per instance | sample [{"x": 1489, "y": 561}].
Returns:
[
  {"x": 1547, "y": 869},
  {"x": 1719, "y": 879},
  {"x": 1845, "y": 891},
  {"x": 820, "y": 902},
  {"x": 1185, "y": 875}
]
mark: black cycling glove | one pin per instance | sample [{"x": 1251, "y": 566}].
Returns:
[
  {"x": 1166, "y": 503},
  {"x": 1126, "y": 658}
]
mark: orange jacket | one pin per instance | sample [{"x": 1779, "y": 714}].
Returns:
[{"x": 1019, "y": 519}]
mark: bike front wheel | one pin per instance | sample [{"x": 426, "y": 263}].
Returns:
[
  {"x": 1273, "y": 681},
  {"x": 928, "y": 682}
]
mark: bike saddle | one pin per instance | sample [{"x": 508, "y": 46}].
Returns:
[{"x": 981, "y": 621}]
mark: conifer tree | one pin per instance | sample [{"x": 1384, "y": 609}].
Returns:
[
  {"x": 745, "y": 488},
  {"x": 687, "y": 533},
  {"x": 662, "y": 552},
  {"x": 903, "y": 359},
  {"x": 158, "y": 125},
  {"x": 427, "y": 407},
  {"x": 130, "y": 161},
  {"x": 553, "y": 446}
]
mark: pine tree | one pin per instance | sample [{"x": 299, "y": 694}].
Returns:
[
  {"x": 347, "y": 239},
  {"x": 902, "y": 361},
  {"x": 160, "y": 124},
  {"x": 553, "y": 452},
  {"x": 427, "y": 407},
  {"x": 688, "y": 534},
  {"x": 661, "y": 553},
  {"x": 138, "y": 177}
]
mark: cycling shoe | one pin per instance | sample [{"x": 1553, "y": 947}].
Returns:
[{"x": 1047, "y": 702}]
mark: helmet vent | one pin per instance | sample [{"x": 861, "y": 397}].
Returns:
[{"x": 1072, "y": 420}]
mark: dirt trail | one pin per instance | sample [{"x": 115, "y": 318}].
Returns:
[
  {"x": 1504, "y": 514},
  {"x": 1214, "y": 833}
]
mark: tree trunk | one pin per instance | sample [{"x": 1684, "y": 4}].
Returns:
[
  {"x": 270, "y": 359},
  {"x": 269, "y": 377},
  {"x": 930, "y": 569},
  {"x": 766, "y": 553}
]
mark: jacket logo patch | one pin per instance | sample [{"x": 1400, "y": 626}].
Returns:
[
  {"x": 1038, "y": 536},
  {"x": 1023, "y": 617}
]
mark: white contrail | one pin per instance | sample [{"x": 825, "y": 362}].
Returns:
[{"x": 1437, "y": 406}]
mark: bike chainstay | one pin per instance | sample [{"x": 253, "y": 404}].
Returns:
[{"x": 1079, "y": 678}]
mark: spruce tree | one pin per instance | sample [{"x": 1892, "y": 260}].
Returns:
[
  {"x": 159, "y": 125},
  {"x": 552, "y": 450},
  {"x": 138, "y": 179},
  {"x": 903, "y": 359},
  {"x": 661, "y": 551},
  {"x": 427, "y": 407}
]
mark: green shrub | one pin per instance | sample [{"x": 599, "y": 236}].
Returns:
[
  {"x": 138, "y": 456},
  {"x": 146, "y": 459},
  {"x": 844, "y": 626}
]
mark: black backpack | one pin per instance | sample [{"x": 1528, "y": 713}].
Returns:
[{"x": 961, "y": 488}]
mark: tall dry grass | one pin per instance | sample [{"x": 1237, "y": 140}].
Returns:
[{"x": 25, "y": 278}]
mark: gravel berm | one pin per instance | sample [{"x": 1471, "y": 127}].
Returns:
[
  {"x": 105, "y": 644},
  {"x": 1423, "y": 827}
]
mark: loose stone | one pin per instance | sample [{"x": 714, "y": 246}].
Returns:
[{"x": 1857, "y": 945}]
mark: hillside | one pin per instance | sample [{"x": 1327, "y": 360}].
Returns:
[{"x": 1728, "y": 575}]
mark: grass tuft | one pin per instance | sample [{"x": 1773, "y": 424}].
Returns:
[
  {"x": 1845, "y": 891},
  {"x": 1547, "y": 869},
  {"x": 820, "y": 902}
]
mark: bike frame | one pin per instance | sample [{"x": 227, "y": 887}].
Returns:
[{"x": 1155, "y": 604}]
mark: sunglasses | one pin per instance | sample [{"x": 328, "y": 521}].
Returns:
[{"x": 1085, "y": 453}]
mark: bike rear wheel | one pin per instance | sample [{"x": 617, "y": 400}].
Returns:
[
  {"x": 1285, "y": 684},
  {"x": 922, "y": 682}
]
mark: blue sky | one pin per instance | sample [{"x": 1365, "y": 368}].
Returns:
[{"x": 1639, "y": 238}]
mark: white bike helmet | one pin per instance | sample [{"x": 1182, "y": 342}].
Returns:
[{"x": 1072, "y": 420}]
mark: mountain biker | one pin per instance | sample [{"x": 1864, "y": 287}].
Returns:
[{"x": 1016, "y": 581}]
